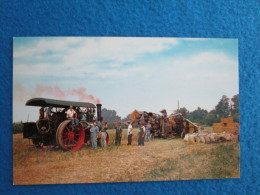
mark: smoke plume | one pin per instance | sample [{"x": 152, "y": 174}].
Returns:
[{"x": 56, "y": 92}]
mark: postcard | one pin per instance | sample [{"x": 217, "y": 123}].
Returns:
[{"x": 124, "y": 109}]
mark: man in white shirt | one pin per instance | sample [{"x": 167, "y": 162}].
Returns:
[
  {"x": 129, "y": 133},
  {"x": 72, "y": 115}
]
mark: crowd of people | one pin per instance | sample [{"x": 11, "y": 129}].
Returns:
[
  {"x": 100, "y": 130},
  {"x": 143, "y": 134}
]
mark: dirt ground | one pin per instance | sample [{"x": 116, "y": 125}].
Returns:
[{"x": 160, "y": 159}]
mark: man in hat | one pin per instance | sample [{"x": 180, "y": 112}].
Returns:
[
  {"x": 118, "y": 133},
  {"x": 141, "y": 135},
  {"x": 104, "y": 134},
  {"x": 129, "y": 133}
]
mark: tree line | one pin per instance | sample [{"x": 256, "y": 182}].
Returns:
[{"x": 226, "y": 107}]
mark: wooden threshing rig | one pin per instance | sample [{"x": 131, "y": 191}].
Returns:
[{"x": 175, "y": 125}]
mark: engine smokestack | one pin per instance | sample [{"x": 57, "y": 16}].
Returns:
[{"x": 99, "y": 118}]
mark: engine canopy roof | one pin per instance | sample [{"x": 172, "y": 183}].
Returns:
[{"x": 57, "y": 103}]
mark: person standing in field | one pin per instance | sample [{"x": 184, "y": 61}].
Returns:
[
  {"x": 147, "y": 132},
  {"x": 94, "y": 131},
  {"x": 118, "y": 135},
  {"x": 141, "y": 135},
  {"x": 72, "y": 115},
  {"x": 99, "y": 125},
  {"x": 104, "y": 134},
  {"x": 129, "y": 133}
]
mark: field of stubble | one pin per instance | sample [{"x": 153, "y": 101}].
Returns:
[{"x": 160, "y": 159}]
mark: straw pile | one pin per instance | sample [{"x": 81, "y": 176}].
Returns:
[
  {"x": 226, "y": 125},
  {"x": 210, "y": 137}
]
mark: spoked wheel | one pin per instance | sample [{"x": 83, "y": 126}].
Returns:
[
  {"x": 70, "y": 138},
  {"x": 43, "y": 126}
]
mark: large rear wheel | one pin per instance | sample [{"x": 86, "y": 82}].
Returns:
[{"x": 70, "y": 138}]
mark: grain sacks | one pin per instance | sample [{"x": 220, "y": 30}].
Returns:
[
  {"x": 186, "y": 138},
  {"x": 210, "y": 137},
  {"x": 191, "y": 137}
]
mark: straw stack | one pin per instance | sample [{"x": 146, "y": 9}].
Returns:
[
  {"x": 227, "y": 120},
  {"x": 226, "y": 125}
]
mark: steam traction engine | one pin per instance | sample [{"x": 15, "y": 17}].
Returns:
[{"x": 58, "y": 130}]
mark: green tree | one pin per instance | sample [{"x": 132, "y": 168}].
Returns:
[
  {"x": 198, "y": 115},
  {"x": 183, "y": 111},
  {"x": 235, "y": 107},
  {"x": 17, "y": 127},
  {"x": 110, "y": 115},
  {"x": 222, "y": 108},
  {"x": 211, "y": 118},
  {"x": 235, "y": 100},
  {"x": 127, "y": 118}
]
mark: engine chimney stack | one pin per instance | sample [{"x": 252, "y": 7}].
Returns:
[{"x": 99, "y": 118}]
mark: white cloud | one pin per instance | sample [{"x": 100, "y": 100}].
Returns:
[
  {"x": 87, "y": 56},
  {"x": 111, "y": 66},
  {"x": 55, "y": 45}
]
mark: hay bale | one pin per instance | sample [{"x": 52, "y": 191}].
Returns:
[
  {"x": 218, "y": 129},
  {"x": 227, "y": 120},
  {"x": 233, "y": 125},
  {"x": 217, "y": 125},
  {"x": 233, "y": 130}
]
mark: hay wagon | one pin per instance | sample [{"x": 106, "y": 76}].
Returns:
[{"x": 57, "y": 130}]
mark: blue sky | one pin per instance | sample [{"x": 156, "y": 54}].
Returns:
[{"x": 124, "y": 73}]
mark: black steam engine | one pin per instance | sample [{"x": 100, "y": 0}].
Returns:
[{"x": 56, "y": 130}]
